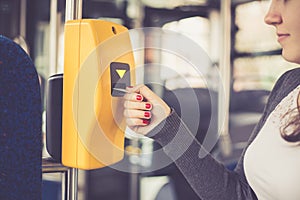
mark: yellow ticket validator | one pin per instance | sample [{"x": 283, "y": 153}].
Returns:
[{"x": 98, "y": 65}]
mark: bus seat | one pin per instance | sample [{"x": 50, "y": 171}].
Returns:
[{"x": 20, "y": 124}]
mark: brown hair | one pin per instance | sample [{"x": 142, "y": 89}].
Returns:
[{"x": 291, "y": 129}]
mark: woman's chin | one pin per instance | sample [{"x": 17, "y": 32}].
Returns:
[{"x": 291, "y": 57}]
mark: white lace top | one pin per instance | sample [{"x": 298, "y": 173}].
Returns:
[{"x": 272, "y": 165}]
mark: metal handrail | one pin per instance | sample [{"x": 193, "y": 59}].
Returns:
[{"x": 225, "y": 70}]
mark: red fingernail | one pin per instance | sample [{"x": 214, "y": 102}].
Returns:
[
  {"x": 148, "y": 105},
  {"x": 147, "y": 114},
  {"x": 145, "y": 121},
  {"x": 139, "y": 97},
  {"x": 130, "y": 86}
]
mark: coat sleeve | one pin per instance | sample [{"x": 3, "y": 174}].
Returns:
[{"x": 209, "y": 178}]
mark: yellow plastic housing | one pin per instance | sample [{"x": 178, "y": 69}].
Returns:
[{"x": 92, "y": 125}]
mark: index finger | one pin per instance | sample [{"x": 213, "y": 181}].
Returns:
[
  {"x": 133, "y": 97},
  {"x": 143, "y": 90}
]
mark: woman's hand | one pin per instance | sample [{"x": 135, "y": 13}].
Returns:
[{"x": 144, "y": 109}]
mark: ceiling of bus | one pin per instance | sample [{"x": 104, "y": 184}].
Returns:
[
  {"x": 116, "y": 8},
  {"x": 173, "y": 3},
  {"x": 176, "y": 3}
]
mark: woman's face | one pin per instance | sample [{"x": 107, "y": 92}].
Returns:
[{"x": 284, "y": 15}]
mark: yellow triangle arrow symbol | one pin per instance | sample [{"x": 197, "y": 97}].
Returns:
[{"x": 121, "y": 72}]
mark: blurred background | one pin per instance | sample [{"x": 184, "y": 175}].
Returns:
[{"x": 255, "y": 63}]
